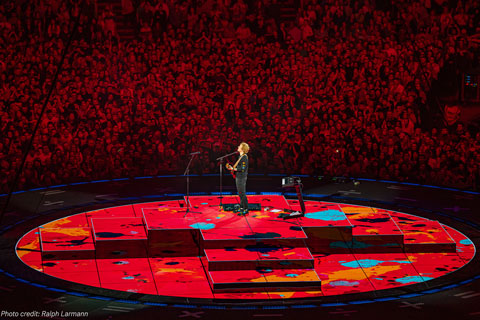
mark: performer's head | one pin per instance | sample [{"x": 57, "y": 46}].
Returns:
[{"x": 243, "y": 148}]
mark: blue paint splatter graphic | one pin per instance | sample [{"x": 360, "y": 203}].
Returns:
[
  {"x": 350, "y": 264},
  {"x": 327, "y": 215},
  {"x": 292, "y": 275},
  {"x": 369, "y": 263},
  {"x": 203, "y": 226},
  {"x": 204, "y": 203},
  {"x": 413, "y": 279},
  {"x": 264, "y": 270},
  {"x": 343, "y": 283},
  {"x": 466, "y": 242},
  {"x": 128, "y": 278}
]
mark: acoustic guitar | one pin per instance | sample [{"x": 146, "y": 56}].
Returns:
[{"x": 231, "y": 169}]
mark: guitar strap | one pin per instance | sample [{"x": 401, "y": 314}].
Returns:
[{"x": 236, "y": 163}]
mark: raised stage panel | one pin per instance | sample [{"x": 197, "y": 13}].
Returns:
[
  {"x": 262, "y": 279},
  {"x": 465, "y": 247},
  {"x": 66, "y": 243},
  {"x": 283, "y": 257},
  {"x": 375, "y": 232},
  {"x": 173, "y": 243},
  {"x": 120, "y": 237},
  {"x": 258, "y": 256},
  {"x": 237, "y": 279},
  {"x": 329, "y": 239},
  {"x": 231, "y": 258},
  {"x": 171, "y": 232},
  {"x": 326, "y": 226},
  {"x": 424, "y": 235}
]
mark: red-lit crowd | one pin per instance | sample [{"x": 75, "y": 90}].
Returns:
[{"x": 340, "y": 90}]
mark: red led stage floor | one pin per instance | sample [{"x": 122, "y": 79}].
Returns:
[{"x": 335, "y": 249}]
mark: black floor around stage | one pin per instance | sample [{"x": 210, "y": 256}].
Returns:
[{"x": 454, "y": 296}]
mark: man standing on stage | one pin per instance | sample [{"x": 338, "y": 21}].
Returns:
[{"x": 241, "y": 170}]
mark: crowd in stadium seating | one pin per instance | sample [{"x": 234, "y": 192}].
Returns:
[{"x": 339, "y": 91}]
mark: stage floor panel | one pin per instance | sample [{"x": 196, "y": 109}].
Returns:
[
  {"x": 88, "y": 278},
  {"x": 387, "y": 270},
  {"x": 61, "y": 266}
]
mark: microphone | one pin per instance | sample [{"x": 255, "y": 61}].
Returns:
[{"x": 198, "y": 152}]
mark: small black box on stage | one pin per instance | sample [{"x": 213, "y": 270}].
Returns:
[
  {"x": 290, "y": 182},
  {"x": 233, "y": 206}
]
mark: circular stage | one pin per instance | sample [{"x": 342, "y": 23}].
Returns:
[
  {"x": 159, "y": 248},
  {"x": 131, "y": 244}
]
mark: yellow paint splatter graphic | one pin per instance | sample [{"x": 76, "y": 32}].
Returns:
[
  {"x": 74, "y": 232},
  {"x": 26, "y": 249},
  {"x": 357, "y": 210}
]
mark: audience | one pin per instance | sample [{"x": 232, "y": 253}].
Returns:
[{"x": 338, "y": 91}]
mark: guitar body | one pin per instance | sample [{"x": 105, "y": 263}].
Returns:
[{"x": 230, "y": 168}]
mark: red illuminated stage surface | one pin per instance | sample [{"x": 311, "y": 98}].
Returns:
[{"x": 334, "y": 249}]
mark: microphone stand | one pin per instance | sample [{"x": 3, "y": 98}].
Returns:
[
  {"x": 186, "y": 173},
  {"x": 221, "y": 173}
]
